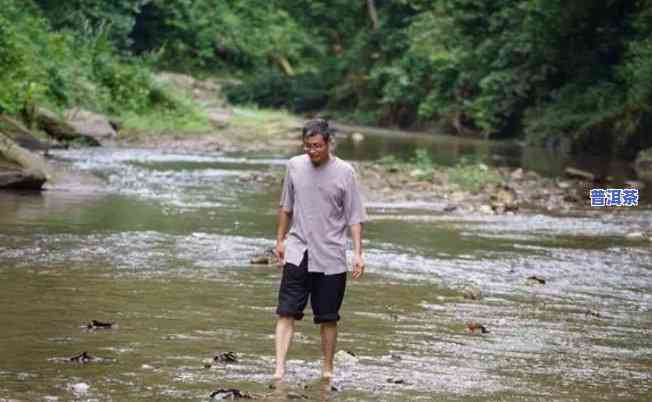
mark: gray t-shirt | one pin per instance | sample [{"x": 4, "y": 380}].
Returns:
[{"x": 324, "y": 202}]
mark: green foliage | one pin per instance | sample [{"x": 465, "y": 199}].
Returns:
[
  {"x": 118, "y": 16},
  {"x": 546, "y": 69},
  {"x": 73, "y": 69},
  {"x": 422, "y": 159},
  {"x": 234, "y": 35},
  {"x": 273, "y": 89},
  {"x": 472, "y": 176},
  {"x": 22, "y": 36}
]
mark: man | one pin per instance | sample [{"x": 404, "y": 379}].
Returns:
[{"x": 320, "y": 200}]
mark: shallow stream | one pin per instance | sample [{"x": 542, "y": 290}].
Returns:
[{"x": 162, "y": 248}]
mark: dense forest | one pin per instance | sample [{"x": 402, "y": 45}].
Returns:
[{"x": 547, "y": 71}]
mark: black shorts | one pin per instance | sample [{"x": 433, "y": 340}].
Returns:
[{"x": 326, "y": 293}]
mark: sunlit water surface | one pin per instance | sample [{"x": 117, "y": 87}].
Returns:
[{"x": 162, "y": 248}]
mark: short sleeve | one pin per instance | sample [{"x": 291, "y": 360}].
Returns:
[
  {"x": 353, "y": 208},
  {"x": 287, "y": 195}
]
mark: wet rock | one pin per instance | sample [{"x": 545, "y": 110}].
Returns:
[
  {"x": 564, "y": 184},
  {"x": 517, "y": 174},
  {"x": 531, "y": 175},
  {"x": 571, "y": 198},
  {"x": 257, "y": 177},
  {"x": 82, "y": 358},
  {"x": 503, "y": 200},
  {"x": 95, "y": 324},
  {"x": 21, "y": 180},
  {"x": 295, "y": 396},
  {"x": 473, "y": 327},
  {"x": 396, "y": 381},
  {"x": 579, "y": 174},
  {"x": 417, "y": 173},
  {"x": 396, "y": 357},
  {"x": 635, "y": 184},
  {"x": 450, "y": 208},
  {"x": 357, "y": 137},
  {"x": 536, "y": 280},
  {"x": 91, "y": 124},
  {"x": 472, "y": 293},
  {"x": 592, "y": 313},
  {"x": 60, "y": 129},
  {"x": 225, "y": 357},
  {"x": 635, "y": 236},
  {"x": 229, "y": 394},
  {"x": 345, "y": 357},
  {"x": 267, "y": 257},
  {"x": 80, "y": 388},
  {"x": 486, "y": 209}
]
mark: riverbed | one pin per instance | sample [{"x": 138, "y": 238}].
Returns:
[{"x": 160, "y": 244}]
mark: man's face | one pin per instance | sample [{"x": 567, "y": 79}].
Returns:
[{"x": 316, "y": 148}]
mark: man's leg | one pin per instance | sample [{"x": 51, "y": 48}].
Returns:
[
  {"x": 326, "y": 300},
  {"x": 328, "y": 342},
  {"x": 284, "y": 334},
  {"x": 292, "y": 298}
]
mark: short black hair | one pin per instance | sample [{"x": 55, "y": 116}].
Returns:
[{"x": 317, "y": 126}]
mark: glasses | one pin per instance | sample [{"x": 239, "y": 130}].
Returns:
[{"x": 314, "y": 147}]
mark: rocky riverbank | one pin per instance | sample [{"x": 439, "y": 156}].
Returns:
[{"x": 466, "y": 187}]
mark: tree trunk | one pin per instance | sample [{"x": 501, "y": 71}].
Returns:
[
  {"x": 21, "y": 135},
  {"x": 285, "y": 65},
  {"x": 60, "y": 129},
  {"x": 34, "y": 169},
  {"x": 371, "y": 6}
]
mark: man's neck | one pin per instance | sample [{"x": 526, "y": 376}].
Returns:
[{"x": 322, "y": 163}]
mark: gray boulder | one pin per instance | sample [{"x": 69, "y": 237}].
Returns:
[{"x": 91, "y": 124}]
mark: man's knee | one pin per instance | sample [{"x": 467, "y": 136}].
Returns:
[
  {"x": 285, "y": 320},
  {"x": 328, "y": 325}
]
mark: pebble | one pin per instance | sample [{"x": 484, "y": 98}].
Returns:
[
  {"x": 230, "y": 394},
  {"x": 472, "y": 293},
  {"x": 80, "y": 388},
  {"x": 536, "y": 280},
  {"x": 345, "y": 357},
  {"x": 635, "y": 236},
  {"x": 226, "y": 357},
  {"x": 357, "y": 137},
  {"x": 486, "y": 209}
]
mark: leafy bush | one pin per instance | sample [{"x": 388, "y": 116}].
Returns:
[
  {"x": 472, "y": 176},
  {"x": 300, "y": 93},
  {"x": 79, "y": 68}
]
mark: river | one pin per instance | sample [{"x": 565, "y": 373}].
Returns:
[{"x": 162, "y": 247}]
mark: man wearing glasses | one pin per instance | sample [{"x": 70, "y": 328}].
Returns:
[{"x": 319, "y": 202}]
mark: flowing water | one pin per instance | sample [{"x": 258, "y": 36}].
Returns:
[{"x": 162, "y": 247}]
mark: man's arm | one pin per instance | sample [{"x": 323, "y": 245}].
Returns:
[
  {"x": 284, "y": 219},
  {"x": 358, "y": 261}
]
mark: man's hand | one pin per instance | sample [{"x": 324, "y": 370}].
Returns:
[
  {"x": 358, "y": 266},
  {"x": 279, "y": 252}
]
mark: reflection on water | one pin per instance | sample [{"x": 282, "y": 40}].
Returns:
[{"x": 163, "y": 246}]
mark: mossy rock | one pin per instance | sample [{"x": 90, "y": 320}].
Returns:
[{"x": 643, "y": 165}]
